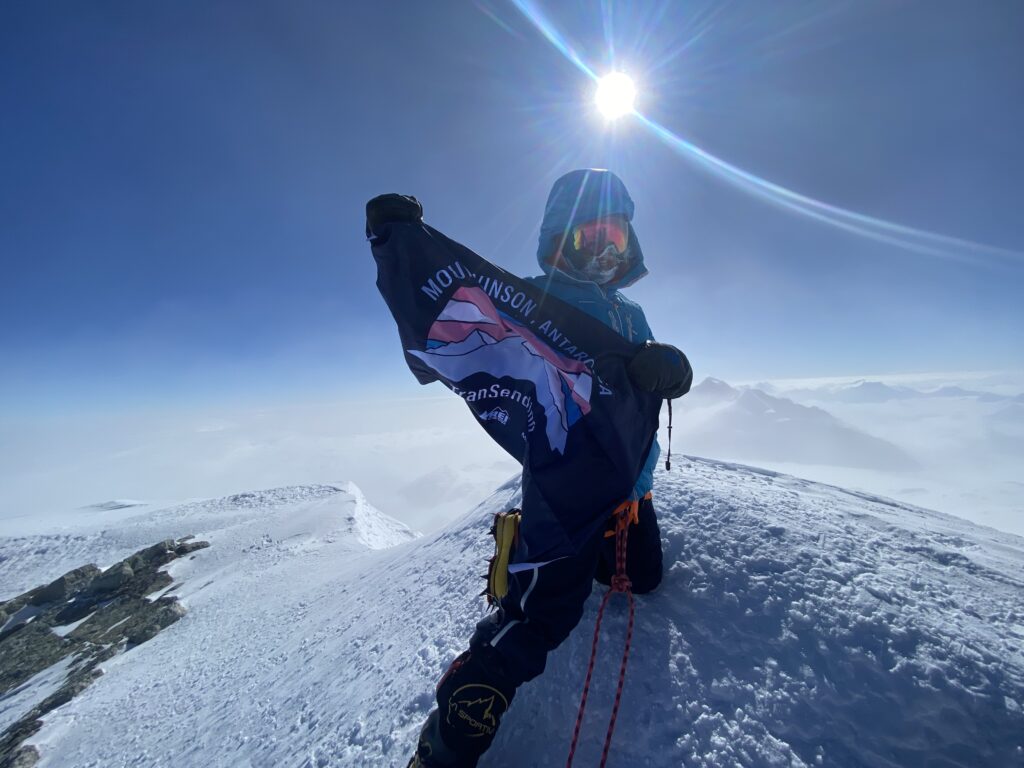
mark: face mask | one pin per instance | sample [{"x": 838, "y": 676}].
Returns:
[{"x": 604, "y": 267}]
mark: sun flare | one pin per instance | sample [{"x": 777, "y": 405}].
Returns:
[{"x": 615, "y": 95}]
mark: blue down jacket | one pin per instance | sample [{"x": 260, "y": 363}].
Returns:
[{"x": 577, "y": 197}]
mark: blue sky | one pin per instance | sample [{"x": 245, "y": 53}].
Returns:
[{"x": 182, "y": 184}]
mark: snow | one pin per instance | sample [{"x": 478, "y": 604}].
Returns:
[
  {"x": 31, "y": 560},
  {"x": 372, "y": 529},
  {"x": 24, "y": 616},
  {"x": 18, "y": 702},
  {"x": 66, "y": 629},
  {"x": 798, "y": 624}
]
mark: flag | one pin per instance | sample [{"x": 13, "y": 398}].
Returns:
[{"x": 545, "y": 380}]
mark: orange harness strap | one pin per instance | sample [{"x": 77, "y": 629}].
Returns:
[{"x": 632, "y": 507}]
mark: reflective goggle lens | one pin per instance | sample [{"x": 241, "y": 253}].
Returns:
[{"x": 595, "y": 236}]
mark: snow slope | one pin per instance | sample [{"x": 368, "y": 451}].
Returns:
[{"x": 798, "y": 624}]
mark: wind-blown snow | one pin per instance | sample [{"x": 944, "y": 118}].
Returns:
[{"x": 798, "y": 624}]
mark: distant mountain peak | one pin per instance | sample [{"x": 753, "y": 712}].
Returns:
[
  {"x": 711, "y": 389},
  {"x": 711, "y": 383},
  {"x": 756, "y": 426}
]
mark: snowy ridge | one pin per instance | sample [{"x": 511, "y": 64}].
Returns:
[
  {"x": 798, "y": 624},
  {"x": 374, "y": 529},
  {"x": 336, "y": 511}
]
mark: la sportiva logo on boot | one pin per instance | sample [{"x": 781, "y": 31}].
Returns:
[{"x": 475, "y": 710}]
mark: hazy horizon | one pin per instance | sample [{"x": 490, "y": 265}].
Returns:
[{"x": 424, "y": 460}]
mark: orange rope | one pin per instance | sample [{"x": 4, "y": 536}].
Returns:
[{"x": 627, "y": 512}]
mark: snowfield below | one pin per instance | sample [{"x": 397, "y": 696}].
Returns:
[{"x": 798, "y": 624}]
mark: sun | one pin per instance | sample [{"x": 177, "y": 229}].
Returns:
[{"x": 615, "y": 95}]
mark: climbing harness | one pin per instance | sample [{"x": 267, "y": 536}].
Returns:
[{"x": 628, "y": 512}]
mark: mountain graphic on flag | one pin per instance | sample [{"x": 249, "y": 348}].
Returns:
[{"x": 471, "y": 337}]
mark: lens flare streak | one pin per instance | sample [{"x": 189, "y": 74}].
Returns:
[
  {"x": 909, "y": 238},
  {"x": 881, "y": 230},
  {"x": 536, "y": 17}
]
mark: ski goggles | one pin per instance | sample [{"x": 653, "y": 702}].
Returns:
[{"x": 594, "y": 237}]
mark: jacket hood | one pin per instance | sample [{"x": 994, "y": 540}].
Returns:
[{"x": 585, "y": 195}]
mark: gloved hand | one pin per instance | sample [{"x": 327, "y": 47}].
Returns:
[
  {"x": 388, "y": 209},
  {"x": 661, "y": 369}
]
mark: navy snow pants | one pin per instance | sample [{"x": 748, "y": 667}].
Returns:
[{"x": 510, "y": 646}]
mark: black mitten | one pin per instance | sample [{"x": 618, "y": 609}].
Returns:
[
  {"x": 661, "y": 369},
  {"x": 388, "y": 209}
]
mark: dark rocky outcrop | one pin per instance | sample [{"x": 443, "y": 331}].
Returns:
[{"x": 89, "y": 615}]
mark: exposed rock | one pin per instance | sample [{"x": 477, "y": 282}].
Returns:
[
  {"x": 67, "y": 585},
  {"x": 31, "y": 649},
  {"x": 183, "y": 549},
  {"x": 168, "y": 610},
  {"x": 161, "y": 549},
  {"x": 115, "y": 616},
  {"x": 155, "y": 556},
  {"x": 76, "y": 609},
  {"x": 113, "y": 578},
  {"x": 25, "y": 757},
  {"x": 18, "y": 621}
]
